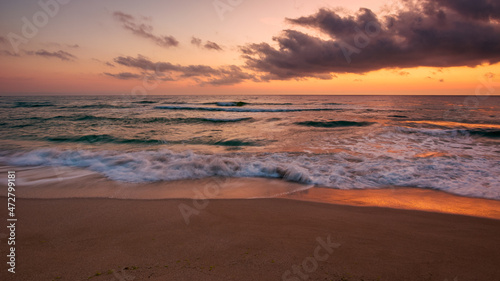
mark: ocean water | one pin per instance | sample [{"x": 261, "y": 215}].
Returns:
[{"x": 342, "y": 142}]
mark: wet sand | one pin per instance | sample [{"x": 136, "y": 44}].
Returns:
[
  {"x": 259, "y": 239},
  {"x": 403, "y": 198},
  {"x": 65, "y": 182}
]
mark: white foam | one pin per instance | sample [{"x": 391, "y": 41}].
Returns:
[{"x": 464, "y": 175}]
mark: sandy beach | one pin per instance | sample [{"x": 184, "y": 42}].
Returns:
[
  {"x": 250, "y": 140},
  {"x": 259, "y": 239}
]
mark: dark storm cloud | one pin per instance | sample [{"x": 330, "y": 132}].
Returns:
[
  {"x": 62, "y": 55},
  {"x": 143, "y": 30},
  {"x": 477, "y": 9},
  {"x": 209, "y": 45},
  {"x": 437, "y": 33},
  {"x": 203, "y": 74}
]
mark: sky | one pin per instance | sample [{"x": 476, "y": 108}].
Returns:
[{"x": 281, "y": 47}]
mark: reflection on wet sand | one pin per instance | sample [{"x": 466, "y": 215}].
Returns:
[{"x": 404, "y": 198}]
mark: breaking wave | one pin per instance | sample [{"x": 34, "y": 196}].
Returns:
[{"x": 457, "y": 175}]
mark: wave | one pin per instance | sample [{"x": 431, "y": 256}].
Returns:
[
  {"x": 27, "y": 104},
  {"x": 20, "y": 126},
  {"x": 488, "y": 133},
  {"x": 90, "y": 117},
  {"x": 232, "y": 109},
  {"x": 333, "y": 124},
  {"x": 223, "y": 120},
  {"x": 174, "y": 102},
  {"x": 189, "y": 120},
  {"x": 235, "y": 103},
  {"x": 101, "y": 105},
  {"x": 459, "y": 175},
  {"x": 145, "y": 102},
  {"x": 478, "y": 132},
  {"x": 105, "y": 138},
  {"x": 270, "y": 103},
  {"x": 128, "y": 120},
  {"x": 241, "y": 103},
  {"x": 234, "y": 142},
  {"x": 163, "y": 165}
]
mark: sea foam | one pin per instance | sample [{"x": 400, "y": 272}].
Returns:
[{"x": 459, "y": 175}]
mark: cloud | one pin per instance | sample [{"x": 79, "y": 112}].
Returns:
[
  {"x": 144, "y": 30},
  {"x": 478, "y": 9},
  {"x": 124, "y": 75},
  {"x": 202, "y": 74},
  {"x": 196, "y": 41},
  {"x": 62, "y": 55},
  {"x": 489, "y": 75},
  {"x": 209, "y": 45},
  {"x": 59, "y": 45},
  {"x": 103, "y": 62},
  {"x": 434, "y": 33},
  {"x": 8, "y": 53},
  {"x": 229, "y": 75},
  {"x": 145, "y": 64},
  {"x": 212, "y": 46},
  {"x": 3, "y": 40}
]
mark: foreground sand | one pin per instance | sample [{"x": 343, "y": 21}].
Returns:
[{"x": 110, "y": 239}]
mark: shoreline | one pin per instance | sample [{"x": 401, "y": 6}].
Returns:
[
  {"x": 241, "y": 239},
  {"x": 396, "y": 198},
  {"x": 50, "y": 183}
]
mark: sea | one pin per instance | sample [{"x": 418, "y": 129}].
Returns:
[{"x": 445, "y": 143}]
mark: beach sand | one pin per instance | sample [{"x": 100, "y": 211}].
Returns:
[
  {"x": 258, "y": 239},
  {"x": 407, "y": 198}
]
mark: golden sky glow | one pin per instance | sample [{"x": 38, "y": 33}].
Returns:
[{"x": 75, "y": 52}]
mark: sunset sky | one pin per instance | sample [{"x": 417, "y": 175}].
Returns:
[{"x": 173, "y": 47}]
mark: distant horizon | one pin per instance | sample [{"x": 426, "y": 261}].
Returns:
[{"x": 229, "y": 95}]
